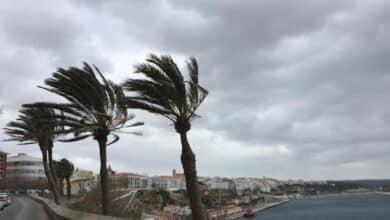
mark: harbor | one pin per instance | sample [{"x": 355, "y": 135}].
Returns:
[
  {"x": 256, "y": 209},
  {"x": 342, "y": 207}
]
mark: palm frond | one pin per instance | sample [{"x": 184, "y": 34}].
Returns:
[
  {"x": 138, "y": 133},
  {"x": 77, "y": 138},
  {"x": 30, "y": 127},
  {"x": 64, "y": 168},
  {"x": 116, "y": 139},
  {"x": 164, "y": 90},
  {"x": 94, "y": 103},
  {"x": 135, "y": 103}
]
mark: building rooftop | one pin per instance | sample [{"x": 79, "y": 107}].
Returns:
[
  {"x": 126, "y": 174},
  {"x": 22, "y": 157}
]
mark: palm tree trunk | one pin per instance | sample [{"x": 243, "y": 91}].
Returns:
[
  {"x": 51, "y": 165},
  {"x": 49, "y": 177},
  {"x": 103, "y": 175},
  {"x": 189, "y": 166},
  {"x": 68, "y": 187},
  {"x": 61, "y": 186}
]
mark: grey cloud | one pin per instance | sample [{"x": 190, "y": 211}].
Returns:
[{"x": 296, "y": 89}]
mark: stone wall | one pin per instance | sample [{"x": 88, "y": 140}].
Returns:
[{"x": 62, "y": 213}]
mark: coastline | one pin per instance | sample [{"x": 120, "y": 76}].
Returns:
[
  {"x": 369, "y": 206},
  {"x": 257, "y": 209},
  {"x": 264, "y": 206}
]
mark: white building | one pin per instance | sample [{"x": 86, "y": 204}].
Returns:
[
  {"x": 174, "y": 182},
  {"x": 167, "y": 183},
  {"x": 81, "y": 181},
  {"x": 26, "y": 167},
  {"x": 144, "y": 181},
  {"x": 262, "y": 184},
  {"x": 218, "y": 183}
]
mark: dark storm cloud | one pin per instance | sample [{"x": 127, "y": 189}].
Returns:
[{"x": 298, "y": 88}]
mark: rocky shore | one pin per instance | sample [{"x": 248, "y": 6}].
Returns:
[{"x": 257, "y": 208}]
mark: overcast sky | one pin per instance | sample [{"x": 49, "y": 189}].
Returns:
[{"x": 297, "y": 89}]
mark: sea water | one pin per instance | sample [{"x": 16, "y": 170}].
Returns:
[{"x": 332, "y": 207}]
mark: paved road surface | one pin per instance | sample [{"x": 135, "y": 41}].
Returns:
[{"x": 23, "y": 208}]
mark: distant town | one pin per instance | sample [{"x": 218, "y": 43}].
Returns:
[{"x": 141, "y": 196}]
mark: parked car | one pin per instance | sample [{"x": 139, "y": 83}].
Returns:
[
  {"x": 3, "y": 202},
  {"x": 4, "y": 197}
]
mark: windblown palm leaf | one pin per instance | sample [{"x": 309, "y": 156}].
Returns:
[
  {"x": 64, "y": 168},
  {"x": 34, "y": 125},
  {"x": 95, "y": 104},
  {"x": 165, "y": 91}
]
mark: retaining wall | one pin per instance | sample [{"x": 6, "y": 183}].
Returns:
[{"x": 57, "y": 212}]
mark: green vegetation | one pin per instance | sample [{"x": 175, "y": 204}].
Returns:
[
  {"x": 144, "y": 201},
  {"x": 165, "y": 198},
  {"x": 215, "y": 198}
]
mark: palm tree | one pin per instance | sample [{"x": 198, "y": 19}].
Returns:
[
  {"x": 94, "y": 109},
  {"x": 65, "y": 169},
  {"x": 52, "y": 164},
  {"x": 60, "y": 177},
  {"x": 165, "y": 92},
  {"x": 32, "y": 127}
]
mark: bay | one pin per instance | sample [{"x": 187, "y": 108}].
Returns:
[{"x": 335, "y": 207}]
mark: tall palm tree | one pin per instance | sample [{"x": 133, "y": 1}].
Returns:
[
  {"x": 164, "y": 91},
  {"x": 32, "y": 127},
  {"x": 65, "y": 169},
  {"x": 94, "y": 109},
  {"x": 52, "y": 164}
]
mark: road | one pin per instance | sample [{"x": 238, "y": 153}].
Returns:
[{"x": 23, "y": 208}]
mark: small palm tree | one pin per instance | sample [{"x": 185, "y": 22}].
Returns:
[
  {"x": 60, "y": 177},
  {"x": 33, "y": 127},
  {"x": 95, "y": 109},
  {"x": 165, "y": 92},
  {"x": 65, "y": 169}
]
